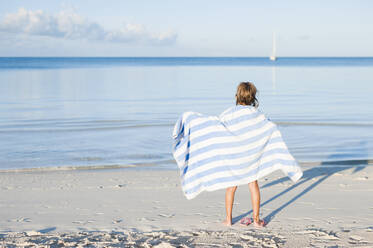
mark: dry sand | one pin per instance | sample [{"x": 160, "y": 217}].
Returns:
[{"x": 329, "y": 206}]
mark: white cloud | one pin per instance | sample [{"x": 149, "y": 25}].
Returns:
[{"x": 71, "y": 26}]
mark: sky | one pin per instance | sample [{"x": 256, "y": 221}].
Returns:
[{"x": 186, "y": 28}]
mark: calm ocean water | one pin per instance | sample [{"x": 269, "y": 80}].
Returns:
[{"x": 121, "y": 111}]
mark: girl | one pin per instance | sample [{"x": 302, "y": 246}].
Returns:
[
  {"x": 236, "y": 148},
  {"x": 246, "y": 95}
]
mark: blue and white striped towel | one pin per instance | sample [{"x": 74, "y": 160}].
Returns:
[{"x": 238, "y": 147}]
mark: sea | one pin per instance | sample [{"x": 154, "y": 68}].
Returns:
[{"x": 97, "y": 112}]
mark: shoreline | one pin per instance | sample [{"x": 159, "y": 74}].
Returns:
[
  {"x": 329, "y": 205},
  {"x": 150, "y": 166}
]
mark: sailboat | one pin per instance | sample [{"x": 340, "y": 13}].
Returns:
[{"x": 273, "y": 56}]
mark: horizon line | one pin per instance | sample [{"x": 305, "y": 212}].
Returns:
[{"x": 278, "y": 57}]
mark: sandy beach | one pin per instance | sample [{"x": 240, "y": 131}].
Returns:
[
  {"x": 330, "y": 205},
  {"x": 101, "y": 103}
]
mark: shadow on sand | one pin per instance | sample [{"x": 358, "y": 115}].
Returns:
[
  {"x": 319, "y": 173},
  {"x": 47, "y": 230}
]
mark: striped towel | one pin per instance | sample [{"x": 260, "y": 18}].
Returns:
[{"x": 238, "y": 147}]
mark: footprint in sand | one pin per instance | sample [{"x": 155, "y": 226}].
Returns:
[
  {"x": 361, "y": 178},
  {"x": 145, "y": 219},
  {"x": 32, "y": 233},
  {"x": 166, "y": 215},
  {"x": 83, "y": 222},
  {"x": 306, "y": 232},
  {"x": 328, "y": 237},
  {"x": 21, "y": 219},
  {"x": 355, "y": 239},
  {"x": 117, "y": 221}
]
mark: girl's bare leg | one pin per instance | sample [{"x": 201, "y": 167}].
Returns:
[
  {"x": 255, "y": 202},
  {"x": 229, "y": 199}
]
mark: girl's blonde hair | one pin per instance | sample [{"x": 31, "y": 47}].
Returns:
[{"x": 246, "y": 94}]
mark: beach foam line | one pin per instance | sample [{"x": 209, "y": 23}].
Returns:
[
  {"x": 329, "y": 163},
  {"x": 338, "y": 163},
  {"x": 92, "y": 167}
]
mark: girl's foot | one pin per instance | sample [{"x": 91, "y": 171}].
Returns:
[
  {"x": 227, "y": 223},
  {"x": 260, "y": 223}
]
